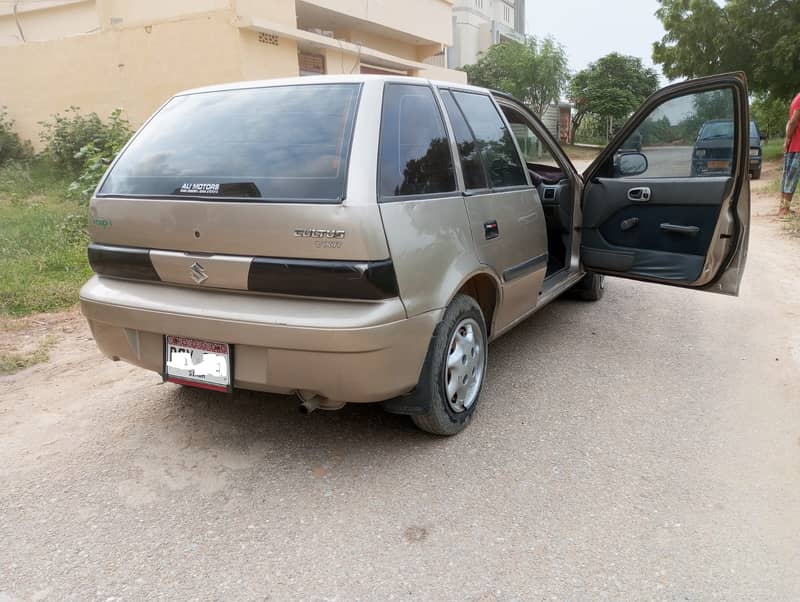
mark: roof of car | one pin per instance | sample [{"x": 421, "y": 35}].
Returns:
[{"x": 326, "y": 79}]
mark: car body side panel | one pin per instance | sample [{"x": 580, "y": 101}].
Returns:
[{"x": 431, "y": 246}]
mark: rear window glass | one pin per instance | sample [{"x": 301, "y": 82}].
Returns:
[{"x": 287, "y": 143}]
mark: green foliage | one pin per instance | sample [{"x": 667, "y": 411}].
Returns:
[
  {"x": 98, "y": 154},
  {"x": 12, "y": 148},
  {"x": 759, "y": 37},
  {"x": 42, "y": 240},
  {"x": 65, "y": 135},
  {"x": 771, "y": 114},
  {"x": 612, "y": 87},
  {"x": 593, "y": 130},
  {"x": 773, "y": 150},
  {"x": 535, "y": 72}
]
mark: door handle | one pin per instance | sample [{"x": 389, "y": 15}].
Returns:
[
  {"x": 491, "y": 229},
  {"x": 688, "y": 230},
  {"x": 640, "y": 195}
]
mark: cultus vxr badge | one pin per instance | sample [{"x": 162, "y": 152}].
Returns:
[{"x": 315, "y": 233}]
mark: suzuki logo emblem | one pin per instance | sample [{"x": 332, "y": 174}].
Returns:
[{"x": 198, "y": 273}]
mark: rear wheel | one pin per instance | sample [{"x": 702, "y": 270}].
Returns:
[
  {"x": 454, "y": 369},
  {"x": 755, "y": 175}
]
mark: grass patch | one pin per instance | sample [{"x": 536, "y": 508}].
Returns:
[
  {"x": 42, "y": 240},
  {"x": 772, "y": 150},
  {"x": 14, "y": 362}
]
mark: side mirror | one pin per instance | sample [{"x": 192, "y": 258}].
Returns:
[
  {"x": 763, "y": 137},
  {"x": 630, "y": 164}
]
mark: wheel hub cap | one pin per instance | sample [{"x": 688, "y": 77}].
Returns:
[{"x": 464, "y": 365}]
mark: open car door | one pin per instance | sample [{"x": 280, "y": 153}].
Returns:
[{"x": 678, "y": 210}]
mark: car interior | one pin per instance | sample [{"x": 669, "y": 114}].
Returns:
[{"x": 554, "y": 187}]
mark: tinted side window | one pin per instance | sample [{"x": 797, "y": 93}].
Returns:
[
  {"x": 497, "y": 146},
  {"x": 468, "y": 151},
  {"x": 414, "y": 150}
]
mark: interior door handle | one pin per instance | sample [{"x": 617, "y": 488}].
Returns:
[
  {"x": 491, "y": 229},
  {"x": 688, "y": 230},
  {"x": 640, "y": 195}
]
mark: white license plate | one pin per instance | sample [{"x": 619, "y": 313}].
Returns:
[
  {"x": 718, "y": 164},
  {"x": 195, "y": 363}
]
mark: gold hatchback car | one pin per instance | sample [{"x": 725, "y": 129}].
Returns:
[{"x": 363, "y": 238}]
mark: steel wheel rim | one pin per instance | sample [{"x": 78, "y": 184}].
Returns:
[{"x": 464, "y": 364}]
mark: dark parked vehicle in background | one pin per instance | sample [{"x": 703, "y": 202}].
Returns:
[
  {"x": 713, "y": 149},
  {"x": 633, "y": 143}
]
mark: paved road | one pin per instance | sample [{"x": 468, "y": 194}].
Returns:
[
  {"x": 668, "y": 161},
  {"x": 644, "y": 447}
]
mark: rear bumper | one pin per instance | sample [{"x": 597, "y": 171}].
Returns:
[{"x": 342, "y": 350}]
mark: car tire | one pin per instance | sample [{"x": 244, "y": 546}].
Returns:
[
  {"x": 591, "y": 287},
  {"x": 454, "y": 370},
  {"x": 755, "y": 175}
]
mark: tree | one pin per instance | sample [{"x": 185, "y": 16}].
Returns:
[
  {"x": 771, "y": 114},
  {"x": 536, "y": 71},
  {"x": 612, "y": 87},
  {"x": 759, "y": 37}
]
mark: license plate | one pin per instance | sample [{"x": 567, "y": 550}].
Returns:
[
  {"x": 195, "y": 363},
  {"x": 718, "y": 164}
]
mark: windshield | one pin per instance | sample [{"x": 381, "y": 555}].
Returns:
[
  {"x": 717, "y": 129},
  {"x": 287, "y": 143}
]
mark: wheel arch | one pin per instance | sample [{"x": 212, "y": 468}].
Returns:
[{"x": 484, "y": 287}]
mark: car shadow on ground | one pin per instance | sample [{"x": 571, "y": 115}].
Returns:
[{"x": 253, "y": 417}]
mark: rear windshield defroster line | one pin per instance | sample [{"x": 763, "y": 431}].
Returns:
[{"x": 279, "y": 143}]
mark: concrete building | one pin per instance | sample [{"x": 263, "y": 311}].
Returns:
[
  {"x": 479, "y": 24},
  {"x": 103, "y": 54}
]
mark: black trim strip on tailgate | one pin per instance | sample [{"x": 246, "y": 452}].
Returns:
[
  {"x": 371, "y": 280},
  {"x": 122, "y": 262}
]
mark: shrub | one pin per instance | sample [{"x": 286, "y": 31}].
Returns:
[
  {"x": 98, "y": 154},
  {"x": 65, "y": 135},
  {"x": 12, "y": 148}
]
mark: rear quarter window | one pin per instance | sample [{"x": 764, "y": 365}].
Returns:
[
  {"x": 415, "y": 157},
  {"x": 283, "y": 143}
]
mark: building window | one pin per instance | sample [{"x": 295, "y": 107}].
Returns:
[
  {"x": 507, "y": 13},
  {"x": 311, "y": 64},
  {"x": 479, "y": 3}
]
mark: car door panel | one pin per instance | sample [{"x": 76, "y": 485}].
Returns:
[
  {"x": 665, "y": 225},
  {"x": 518, "y": 253}
]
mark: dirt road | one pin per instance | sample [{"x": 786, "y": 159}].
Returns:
[{"x": 644, "y": 447}]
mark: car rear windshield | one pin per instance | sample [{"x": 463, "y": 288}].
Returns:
[{"x": 285, "y": 143}]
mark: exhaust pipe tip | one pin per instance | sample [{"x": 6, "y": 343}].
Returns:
[{"x": 308, "y": 402}]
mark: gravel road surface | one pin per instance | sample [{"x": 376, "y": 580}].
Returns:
[{"x": 643, "y": 447}]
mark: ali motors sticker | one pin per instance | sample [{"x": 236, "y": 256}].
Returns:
[{"x": 199, "y": 189}]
